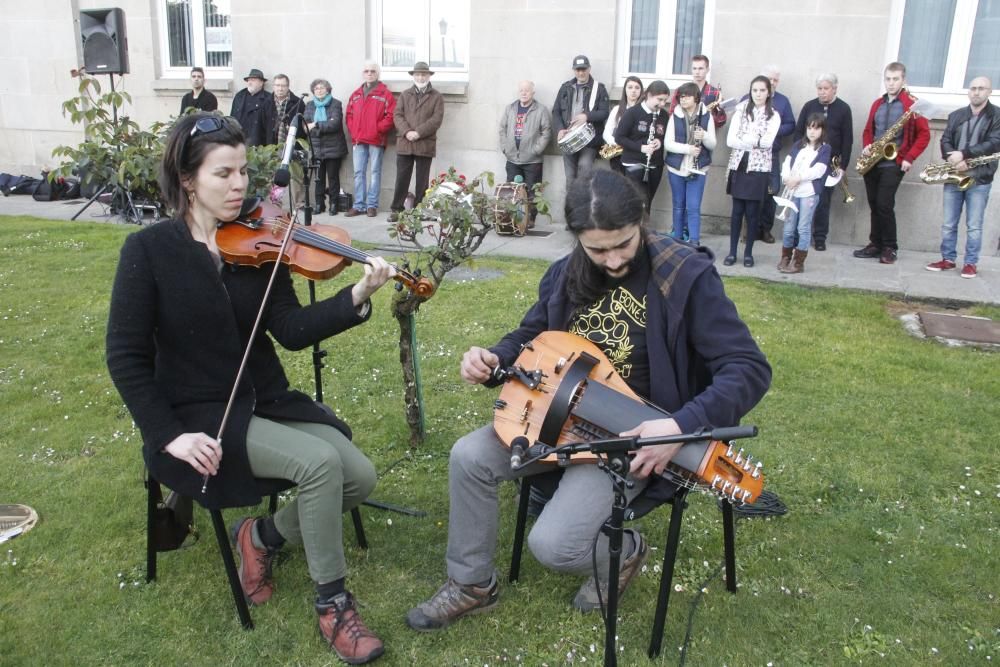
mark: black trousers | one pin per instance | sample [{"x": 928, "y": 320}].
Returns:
[
  {"x": 750, "y": 208},
  {"x": 532, "y": 174},
  {"x": 404, "y": 170},
  {"x": 821, "y": 216},
  {"x": 651, "y": 184},
  {"x": 328, "y": 174},
  {"x": 881, "y": 184}
]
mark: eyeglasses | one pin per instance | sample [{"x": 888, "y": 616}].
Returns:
[
  {"x": 207, "y": 125},
  {"x": 370, "y": 71}
]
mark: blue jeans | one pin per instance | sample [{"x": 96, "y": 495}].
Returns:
[
  {"x": 800, "y": 222},
  {"x": 367, "y": 197},
  {"x": 686, "y": 193},
  {"x": 975, "y": 199}
]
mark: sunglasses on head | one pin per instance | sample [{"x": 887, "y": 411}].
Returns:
[{"x": 207, "y": 125}]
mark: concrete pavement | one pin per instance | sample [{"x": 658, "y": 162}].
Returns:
[{"x": 835, "y": 267}]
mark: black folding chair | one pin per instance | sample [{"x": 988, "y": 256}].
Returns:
[
  {"x": 266, "y": 487},
  {"x": 639, "y": 507}
]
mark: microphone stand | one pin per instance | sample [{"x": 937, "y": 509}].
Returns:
[
  {"x": 318, "y": 353},
  {"x": 616, "y": 464}
]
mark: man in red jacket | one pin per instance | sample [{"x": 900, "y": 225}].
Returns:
[
  {"x": 369, "y": 119},
  {"x": 882, "y": 181}
]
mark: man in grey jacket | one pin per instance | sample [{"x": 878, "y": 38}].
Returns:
[{"x": 525, "y": 128}]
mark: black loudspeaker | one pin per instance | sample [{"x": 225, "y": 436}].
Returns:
[{"x": 105, "y": 45}]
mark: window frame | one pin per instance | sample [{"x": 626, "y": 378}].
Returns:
[
  {"x": 401, "y": 74},
  {"x": 667, "y": 25},
  {"x": 198, "y": 45},
  {"x": 953, "y": 94}
]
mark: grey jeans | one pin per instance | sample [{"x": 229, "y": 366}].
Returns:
[
  {"x": 332, "y": 475},
  {"x": 578, "y": 164},
  {"x": 562, "y": 537}
]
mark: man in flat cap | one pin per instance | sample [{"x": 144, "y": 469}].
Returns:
[
  {"x": 580, "y": 100},
  {"x": 253, "y": 108},
  {"x": 417, "y": 117}
]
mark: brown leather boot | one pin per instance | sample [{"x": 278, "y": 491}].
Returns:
[
  {"x": 798, "y": 262},
  {"x": 786, "y": 258},
  {"x": 345, "y": 632}
]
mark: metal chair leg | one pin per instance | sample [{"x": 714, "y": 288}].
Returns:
[
  {"x": 729, "y": 545},
  {"x": 150, "y": 536},
  {"x": 522, "y": 520},
  {"x": 667, "y": 576},
  {"x": 359, "y": 528},
  {"x": 242, "y": 610}
]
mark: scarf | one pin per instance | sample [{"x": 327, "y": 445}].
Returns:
[{"x": 321, "y": 104}]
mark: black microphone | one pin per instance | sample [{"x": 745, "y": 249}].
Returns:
[
  {"x": 282, "y": 177},
  {"x": 518, "y": 447}
]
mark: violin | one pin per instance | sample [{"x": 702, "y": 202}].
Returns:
[{"x": 317, "y": 252}]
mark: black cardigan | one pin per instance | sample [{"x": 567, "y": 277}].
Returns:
[
  {"x": 177, "y": 330},
  {"x": 632, "y": 134}
]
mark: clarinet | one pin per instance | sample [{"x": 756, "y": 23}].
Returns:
[{"x": 649, "y": 140}]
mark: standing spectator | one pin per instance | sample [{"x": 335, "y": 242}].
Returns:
[
  {"x": 783, "y": 108},
  {"x": 751, "y": 135},
  {"x": 325, "y": 121},
  {"x": 972, "y": 131},
  {"x": 640, "y": 132},
  {"x": 369, "y": 119},
  {"x": 580, "y": 100},
  {"x": 689, "y": 143},
  {"x": 287, "y": 106},
  {"x": 253, "y": 109},
  {"x": 700, "y": 67},
  {"x": 417, "y": 117},
  {"x": 882, "y": 181},
  {"x": 840, "y": 136},
  {"x": 525, "y": 129},
  {"x": 804, "y": 175},
  {"x": 198, "y": 97},
  {"x": 631, "y": 94}
]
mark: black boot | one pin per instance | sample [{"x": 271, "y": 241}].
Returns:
[{"x": 334, "y": 209}]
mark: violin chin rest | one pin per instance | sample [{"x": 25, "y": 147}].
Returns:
[{"x": 250, "y": 205}]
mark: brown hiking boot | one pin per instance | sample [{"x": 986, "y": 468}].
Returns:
[
  {"x": 255, "y": 564},
  {"x": 786, "y": 259},
  {"x": 345, "y": 632},
  {"x": 586, "y": 598},
  {"x": 797, "y": 265},
  {"x": 451, "y": 602}
]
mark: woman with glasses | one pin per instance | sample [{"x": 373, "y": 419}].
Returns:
[
  {"x": 179, "y": 321},
  {"x": 324, "y": 118},
  {"x": 689, "y": 144}
]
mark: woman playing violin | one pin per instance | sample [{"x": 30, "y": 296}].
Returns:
[{"x": 179, "y": 322}]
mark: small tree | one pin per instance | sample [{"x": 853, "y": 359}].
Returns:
[{"x": 446, "y": 229}]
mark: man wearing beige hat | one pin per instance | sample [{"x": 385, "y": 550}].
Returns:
[
  {"x": 253, "y": 108},
  {"x": 417, "y": 117}
]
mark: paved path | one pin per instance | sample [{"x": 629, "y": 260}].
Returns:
[{"x": 833, "y": 268}]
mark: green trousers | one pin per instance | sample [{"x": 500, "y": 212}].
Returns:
[{"x": 332, "y": 476}]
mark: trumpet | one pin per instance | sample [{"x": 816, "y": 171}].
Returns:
[
  {"x": 839, "y": 176},
  {"x": 945, "y": 172},
  {"x": 787, "y": 203}
]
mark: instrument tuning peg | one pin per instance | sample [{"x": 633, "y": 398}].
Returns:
[{"x": 399, "y": 287}]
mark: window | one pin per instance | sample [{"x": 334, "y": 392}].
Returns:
[
  {"x": 196, "y": 33},
  {"x": 433, "y": 31},
  {"x": 658, "y": 38},
  {"x": 945, "y": 43}
]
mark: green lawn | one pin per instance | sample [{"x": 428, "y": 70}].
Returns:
[{"x": 882, "y": 445}]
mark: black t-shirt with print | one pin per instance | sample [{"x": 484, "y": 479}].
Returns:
[{"x": 616, "y": 323}]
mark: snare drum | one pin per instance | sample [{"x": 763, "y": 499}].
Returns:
[
  {"x": 509, "y": 209},
  {"x": 577, "y": 138}
]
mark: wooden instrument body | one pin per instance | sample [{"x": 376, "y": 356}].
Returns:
[{"x": 564, "y": 390}]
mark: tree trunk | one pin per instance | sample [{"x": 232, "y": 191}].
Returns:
[{"x": 403, "y": 308}]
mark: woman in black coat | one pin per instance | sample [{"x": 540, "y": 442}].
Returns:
[
  {"x": 325, "y": 119},
  {"x": 179, "y": 321}
]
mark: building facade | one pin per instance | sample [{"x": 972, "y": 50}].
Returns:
[{"x": 481, "y": 49}]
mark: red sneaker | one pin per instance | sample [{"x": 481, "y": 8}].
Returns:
[
  {"x": 255, "y": 564},
  {"x": 345, "y": 632},
  {"x": 969, "y": 271},
  {"x": 943, "y": 265}
]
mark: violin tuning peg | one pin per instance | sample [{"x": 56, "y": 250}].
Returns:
[{"x": 399, "y": 287}]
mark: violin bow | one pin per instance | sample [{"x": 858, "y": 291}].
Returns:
[{"x": 246, "y": 352}]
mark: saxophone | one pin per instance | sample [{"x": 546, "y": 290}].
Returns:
[
  {"x": 883, "y": 148},
  {"x": 945, "y": 172}
]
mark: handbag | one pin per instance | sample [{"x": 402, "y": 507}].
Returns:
[{"x": 173, "y": 520}]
